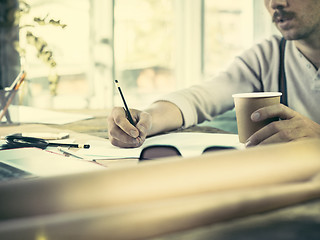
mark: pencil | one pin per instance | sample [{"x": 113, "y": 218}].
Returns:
[
  {"x": 125, "y": 104},
  {"x": 23, "y": 76},
  {"x": 20, "y": 76},
  {"x": 13, "y": 90},
  {"x": 3, "y": 102}
]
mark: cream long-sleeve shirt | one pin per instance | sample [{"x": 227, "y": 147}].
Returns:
[{"x": 255, "y": 70}]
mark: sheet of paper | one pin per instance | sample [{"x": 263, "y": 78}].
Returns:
[
  {"x": 188, "y": 143},
  {"x": 36, "y": 115},
  {"x": 193, "y": 143},
  {"x": 43, "y": 163},
  {"x": 105, "y": 150}
]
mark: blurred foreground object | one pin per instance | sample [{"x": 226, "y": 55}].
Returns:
[{"x": 162, "y": 196}]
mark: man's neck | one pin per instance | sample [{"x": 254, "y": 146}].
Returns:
[{"x": 310, "y": 49}]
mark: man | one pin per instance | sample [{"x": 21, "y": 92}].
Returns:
[{"x": 255, "y": 70}]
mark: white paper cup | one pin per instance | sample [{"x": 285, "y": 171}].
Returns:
[{"x": 246, "y": 104}]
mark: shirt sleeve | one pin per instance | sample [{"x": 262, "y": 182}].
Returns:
[{"x": 213, "y": 97}]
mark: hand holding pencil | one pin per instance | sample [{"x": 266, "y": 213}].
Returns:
[
  {"x": 122, "y": 133},
  {"x": 128, "y": 127},
  {"x": 160, "y": 116}
]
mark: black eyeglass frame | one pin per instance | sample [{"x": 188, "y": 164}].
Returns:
[
  {"x": 176, "y": 152},
  {"x": 158, "y": 147},
  {"x": 18, "y": 141}
]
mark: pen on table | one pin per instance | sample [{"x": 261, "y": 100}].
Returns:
[
  {"x": 73, "y": 145},
  {"x": 69, "y": 153},
  {"x": 125, "y": 104},
  {"x": 14, "y": 88}
]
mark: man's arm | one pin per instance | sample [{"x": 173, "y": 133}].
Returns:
[{"x": 166, "y": 116}]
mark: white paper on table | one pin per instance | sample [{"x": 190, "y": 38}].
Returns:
[
  {"x": 188, "y": 143},
  {"x": 44, "y": 163},
  {"x": 27, "y": 114}
]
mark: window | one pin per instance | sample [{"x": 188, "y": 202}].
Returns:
[
  {"x": 70, "y": 47},
  {"x": 228, "y": 30},
  {"x": 165, "y": 45},
  {"x": 151, "y": 46},
  {"x": 144, "y": 49}
]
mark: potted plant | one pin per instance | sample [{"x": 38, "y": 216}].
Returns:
[{"x": 28, "y": 36}]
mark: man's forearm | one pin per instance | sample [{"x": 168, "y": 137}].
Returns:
[{"x": 165, "y": 116}]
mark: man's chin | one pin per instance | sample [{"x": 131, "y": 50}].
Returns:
[{"x": 290, "y": 35}]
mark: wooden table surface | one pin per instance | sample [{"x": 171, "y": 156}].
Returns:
[{"x": 96, "y": 126}]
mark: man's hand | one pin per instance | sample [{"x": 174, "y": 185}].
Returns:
[
  {"x": 292, "y": 126},
  {"x": 160, "y": 116},
  {"x": 122, "y": 133}
]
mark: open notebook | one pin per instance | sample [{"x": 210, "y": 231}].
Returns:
[{"x": 189, "y": 144}]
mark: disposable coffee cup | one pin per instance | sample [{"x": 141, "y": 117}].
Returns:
[{"x": 246, "y": 104}]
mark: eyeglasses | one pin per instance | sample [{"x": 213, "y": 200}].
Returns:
[
  {"x": 19, "y": 141},
  {"x": 162, "y": 151}
]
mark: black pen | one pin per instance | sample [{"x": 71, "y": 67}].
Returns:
[
  {"x": 125, "y": 104},
  {"x": 72, "y": 145}
]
